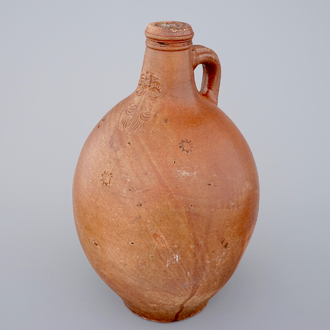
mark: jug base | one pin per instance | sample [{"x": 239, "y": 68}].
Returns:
[{"x": 166, "y": 316}]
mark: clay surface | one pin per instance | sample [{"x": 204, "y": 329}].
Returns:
[{"x": 166, "y": 192}]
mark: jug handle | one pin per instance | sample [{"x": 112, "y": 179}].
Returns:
[{"x": 211, "y": 71}]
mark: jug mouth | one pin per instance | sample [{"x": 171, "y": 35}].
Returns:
[{"x": 169, "y": 35}]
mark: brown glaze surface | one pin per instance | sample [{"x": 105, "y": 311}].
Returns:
[{"x": 166, "y": 191}]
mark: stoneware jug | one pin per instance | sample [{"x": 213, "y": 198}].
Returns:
[{"x": 165, "y": 192}]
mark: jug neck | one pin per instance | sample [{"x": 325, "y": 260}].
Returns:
[
  {"x": 173, "y": 70},
  {"x": 168, "y": 57}
]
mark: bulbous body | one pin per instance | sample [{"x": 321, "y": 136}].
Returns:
[{"x": 166, "y": 190}]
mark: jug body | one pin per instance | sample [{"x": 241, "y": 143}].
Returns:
[{"x": 166, "y": 190}]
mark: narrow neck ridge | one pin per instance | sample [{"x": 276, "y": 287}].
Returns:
[{"x": 169, "y": 36}]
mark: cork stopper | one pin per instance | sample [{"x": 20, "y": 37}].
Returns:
[{"x": 169, "y": 35}]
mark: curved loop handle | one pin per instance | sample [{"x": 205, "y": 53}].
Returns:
[{"x": 211, "y": 71}]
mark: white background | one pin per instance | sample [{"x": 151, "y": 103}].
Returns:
[{"x": 64, "y": 64}]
